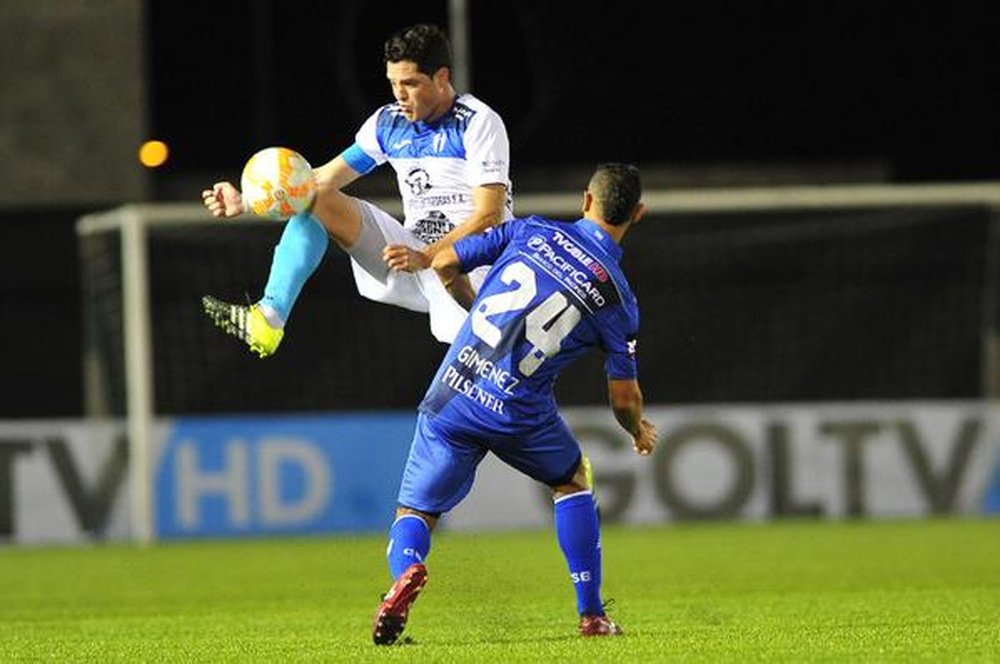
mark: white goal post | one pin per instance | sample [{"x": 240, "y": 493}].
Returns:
[{"x": 132, "y": 223}]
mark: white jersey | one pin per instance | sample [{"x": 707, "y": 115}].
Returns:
[{"x": 437, "y": 164}]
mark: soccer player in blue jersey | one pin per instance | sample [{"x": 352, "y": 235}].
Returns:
[
  {"x": 451, "y": 156},
  {"x": 555, "y": 291}
]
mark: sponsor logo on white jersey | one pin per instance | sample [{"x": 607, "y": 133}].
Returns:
[{"x": 419, "y": 181}]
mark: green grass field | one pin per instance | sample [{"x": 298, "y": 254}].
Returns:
[{"x": 793, "y": 592}]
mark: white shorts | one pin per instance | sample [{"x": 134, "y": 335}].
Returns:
[{"x": 418, "y": 291}]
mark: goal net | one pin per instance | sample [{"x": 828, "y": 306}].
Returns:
[{"x": 754, "y": 295}]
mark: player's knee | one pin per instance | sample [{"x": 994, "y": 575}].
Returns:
[
  {"x": 430, "y": 519},
  {"x": 339, "y": 216},
  {"x": 579, "y": 482}
]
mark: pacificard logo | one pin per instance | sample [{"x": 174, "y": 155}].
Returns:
[{"x": 560, "y": 266}]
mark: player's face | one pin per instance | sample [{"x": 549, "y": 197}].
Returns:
[{"x": 421, "y": 97}]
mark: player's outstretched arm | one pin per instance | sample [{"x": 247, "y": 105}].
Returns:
[
  {"x": 489, "y": 203},
  {"x": 448, "y": 267},
  {"x": 626, "y": 402},
  {"x": 334, "y": 175},
  {"x": 223, "y": 200}
]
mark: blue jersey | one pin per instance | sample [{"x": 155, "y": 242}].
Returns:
[{"x": 555, "y": 291}]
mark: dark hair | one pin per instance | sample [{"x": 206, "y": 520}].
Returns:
[
  {"x": 424, "y": 44},
  {"x": 617, "y": 189}
]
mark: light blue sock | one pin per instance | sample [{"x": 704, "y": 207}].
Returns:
[
  {"x": 579, "y": 536},
  {"x": 296, "y": 257},
  {"x": 409, "y": 543}
]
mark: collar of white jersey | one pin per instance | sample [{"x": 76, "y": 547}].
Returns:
[
  {"x": 598, "y": 235},
  {"x": 420, "y": 125}
]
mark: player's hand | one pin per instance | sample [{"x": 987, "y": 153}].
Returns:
[
  {"x": 223, "y": 200},
  {"x": 401, "y": 258},
  {"x": 645, "y": 441}
]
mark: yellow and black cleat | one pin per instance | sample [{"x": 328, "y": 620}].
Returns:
[{"x": 245, "y": 322}]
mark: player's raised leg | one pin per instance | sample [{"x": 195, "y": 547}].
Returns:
[
  {"x": 296, "y": 257},
  {"x": 303, "y": 243}
]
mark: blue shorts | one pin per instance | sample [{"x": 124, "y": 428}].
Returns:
[{"x": 443, "y": 459}]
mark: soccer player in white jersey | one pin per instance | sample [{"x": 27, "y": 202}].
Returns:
[
  {"x": 451, "y": 156},
  {"x": 554, "y": 293}
]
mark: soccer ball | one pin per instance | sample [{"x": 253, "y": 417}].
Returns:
[{"x": 277, "y": 183}]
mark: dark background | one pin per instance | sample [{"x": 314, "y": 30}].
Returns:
[
  {"x": 706, "y": 93},
  {"x": 912, "y": 87}
]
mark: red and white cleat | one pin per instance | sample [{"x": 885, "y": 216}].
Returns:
[
  {"x": 598, "y": 626},
  {"x": 395, "y": 608}
]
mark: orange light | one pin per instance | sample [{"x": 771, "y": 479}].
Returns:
[{"x": 153, "y": 153}]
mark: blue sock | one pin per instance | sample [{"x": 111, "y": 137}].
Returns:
[
  {"x": 409, "y": 542},
  {"x": 579, "y": 536},
  {"x": 296, "y": 257}
]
